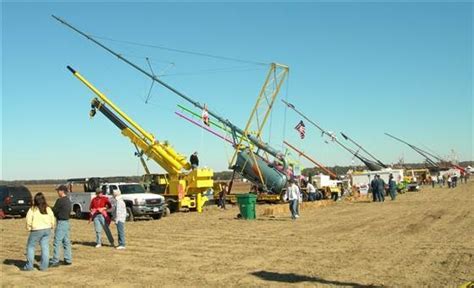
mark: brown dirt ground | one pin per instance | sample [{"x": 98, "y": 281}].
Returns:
[{"x": 421, "y": 239}]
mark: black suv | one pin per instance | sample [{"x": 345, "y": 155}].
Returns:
[{"x": 15, "y": 200}]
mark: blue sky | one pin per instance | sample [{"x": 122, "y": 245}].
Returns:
[{"x": 360, "y": 68}]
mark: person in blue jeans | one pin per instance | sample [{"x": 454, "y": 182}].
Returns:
[
  {"x": 392, "y": 187},
  {"x": 98, "y": 211},
  {"x": 100, "y": 222},
  {"x": 292, "y": 195},
  {"x": 62, "y": 211},
  {"x": 39, "y": 222},
  {"x": 120, "y": 214}
]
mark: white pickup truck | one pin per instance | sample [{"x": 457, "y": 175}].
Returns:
[{"x": 138, "y": 202}]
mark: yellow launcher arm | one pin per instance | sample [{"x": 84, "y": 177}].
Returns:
[{"x": 161, "y": 153}]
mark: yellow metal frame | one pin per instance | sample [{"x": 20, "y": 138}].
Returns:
[
  {"x": 276, "y": 75},
  {"x": 187, "y": 186}
]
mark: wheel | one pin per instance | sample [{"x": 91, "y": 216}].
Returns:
[
  {"x": 130, "y": 216},
  {"x": 166, "y": 212},
  {"x": 172, "y": 206},
  {"x": 157, "y": 216},
  {"x": 22, "y": 215},
  {"x": 77, "y": 212}
]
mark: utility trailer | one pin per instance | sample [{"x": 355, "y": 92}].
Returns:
[{"x": 363, "y": 179}]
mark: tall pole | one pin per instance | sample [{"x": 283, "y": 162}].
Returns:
[
  {"x": 311, "y": 160},
  {"x": 362, "y": 148},
  {"x": 421, "y": 152},
  {"x": 369, "y": 163}
]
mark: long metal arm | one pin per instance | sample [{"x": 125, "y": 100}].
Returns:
[
  {"x": 332, "y": 174},
  {"x": 421, "y": 152},
  {"x": 362, "y": 148},
  {"x": 369, "y": 163},
  {"x": 226, "y": 122},
  {"x": 162, "y": 153}
]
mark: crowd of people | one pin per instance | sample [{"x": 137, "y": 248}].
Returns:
[
  {"x": 449, "y": 179},
  {"x": 41, "y": 221},
  {"x": 379, "y": 188}
]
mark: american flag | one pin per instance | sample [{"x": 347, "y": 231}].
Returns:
[{"x": 301, "y": 128}]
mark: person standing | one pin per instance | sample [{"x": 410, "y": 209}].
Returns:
[
  {"x": 194, "y": 160},
  {"x": 222, "y": 196},
  {"x": 433, "y": 181},
  {"x": 334, "y": 193},
  {"x": 392, "y": 187},
  {"x": 381, "y": 188},
  {"x": 39, "y": 222},
  {"x": 120, "y": 215},
  {"x": 98, "y": 211},
  {"x": 62, "y": 211},
  {"x": 374, "y": 187},
  {"x": 311, "y": 191},
  {"x": 291, "y": 195}
]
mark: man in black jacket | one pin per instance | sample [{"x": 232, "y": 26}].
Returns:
[
  {"x": 194, "y": 160},
  {"x": 374, "y": 189},
  {"x": 381, "y": 188},
  {"x": 62, "y": 211}
]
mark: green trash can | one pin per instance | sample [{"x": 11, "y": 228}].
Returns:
[{"x": 247, "y": 204}]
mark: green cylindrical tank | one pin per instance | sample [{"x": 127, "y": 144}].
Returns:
[{"x": 274, "y": 180}]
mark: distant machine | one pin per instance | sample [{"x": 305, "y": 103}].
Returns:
[
  {"x": 371, "y": 164},
  {"x": 182, "y": 190}
]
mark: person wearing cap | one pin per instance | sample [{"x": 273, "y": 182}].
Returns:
[
  {"x": 62, "y": 211},
  {"x": 99, "y": 206},
  {"x": 119, "y": 214}
]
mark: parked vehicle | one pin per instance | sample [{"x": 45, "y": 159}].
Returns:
[
  {"x": 15, "y": 200},
  {"x": 363, "y": 178},
  {"x": 138, "y": 202}
]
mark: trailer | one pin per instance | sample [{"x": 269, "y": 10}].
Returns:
[
  {"x": 362, "y": 179},
  {"x": 326, "y": 185}
]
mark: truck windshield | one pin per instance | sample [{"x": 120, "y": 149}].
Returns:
[{"x": 131, "y": 189}]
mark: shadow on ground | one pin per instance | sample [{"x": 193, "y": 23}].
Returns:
[
  {"x": 273, "y": 218},
  {"x": 84, "y": 243},
  {"x": 295, "y": 278},
  {"x": 14, "y": 262}
]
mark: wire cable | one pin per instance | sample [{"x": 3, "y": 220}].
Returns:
[{"x": 182, "y": 51}]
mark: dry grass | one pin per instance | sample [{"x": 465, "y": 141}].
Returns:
[{"x": 422, "y": 239}]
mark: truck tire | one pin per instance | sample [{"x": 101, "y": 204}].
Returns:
[
  {"x": 157, "y": 216},
  {"x": 130, "y": 216},
  {"x": 166, "y": 212},
  {"x": 77, "y": 212},
  {"x": 173, "y": 205}
]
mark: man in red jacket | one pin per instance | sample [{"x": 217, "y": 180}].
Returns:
[{"x": 98, "y": 213}]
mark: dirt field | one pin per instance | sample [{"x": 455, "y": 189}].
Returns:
[{"x": 421, "y": 239}]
